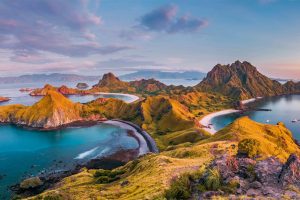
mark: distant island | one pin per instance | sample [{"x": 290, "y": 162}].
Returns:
[
  {"x": 55, "y": 77},
  {"x": 147, "y": 74}
]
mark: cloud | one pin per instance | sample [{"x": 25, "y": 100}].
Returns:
[
  {"x": 62, "y": 27},
  {"x": 164, "y": 19}
]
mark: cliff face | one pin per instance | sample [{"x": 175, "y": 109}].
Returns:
[
  {"x": 51, "y": 111},
  {"x": 241, "y": 81}
]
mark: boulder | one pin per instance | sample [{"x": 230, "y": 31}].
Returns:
[{"x": 290, "y": 172}]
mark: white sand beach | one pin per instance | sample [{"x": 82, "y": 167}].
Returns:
[
  {"x": 143, "y": 149},
  {"x": 132, "y": 97},
  {"x": 206, "y": 120}
]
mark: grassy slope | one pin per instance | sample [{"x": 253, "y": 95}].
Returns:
[
  {"x": 53, "y": 109},
  {"x": 148, "y": 177},
  {"x": 168, "y": 121},
  {"x": 275, "y": 140},
  {"x": 152, "y": 174}
]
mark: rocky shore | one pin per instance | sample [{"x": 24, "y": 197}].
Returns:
[{"x": 47, "y": 179}]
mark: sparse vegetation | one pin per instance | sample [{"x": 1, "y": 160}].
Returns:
[{"x": 249, "y": 147}]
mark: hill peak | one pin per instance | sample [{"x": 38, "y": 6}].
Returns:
[
  {"x": 109, "y": 80},
  {"x": 240, "y": 80}
]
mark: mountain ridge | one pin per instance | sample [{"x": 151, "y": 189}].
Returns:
[
  {"x": 156, "y": 74},
  {"x": 241, "y": 80}
]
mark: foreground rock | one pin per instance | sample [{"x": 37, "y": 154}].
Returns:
[{"x": 268, "y": 178}]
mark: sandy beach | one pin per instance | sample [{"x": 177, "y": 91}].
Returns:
[
  {"x": 206, "y": 120},
  {"x": 143, "y": 149},
  {"x": 133, "y": 97}
]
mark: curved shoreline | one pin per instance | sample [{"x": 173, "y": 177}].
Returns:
[
  {"x": 119, "y": 158},
  {"x": 150, "y": 143},
  {"x": 206, "y": 120},
  {"x": 133, "y": 97}
]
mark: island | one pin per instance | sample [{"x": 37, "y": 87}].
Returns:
[
  {"x": 244, "y": 159},
  {"x": 82, "y": 85},
  {"x": 4, "y": 99}
]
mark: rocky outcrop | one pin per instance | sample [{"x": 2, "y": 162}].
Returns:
[
  {"x": 4, "y": 99},
  {"x": 110, "y": 83},
  {"x": 241, "y": 80},
  {"x": 268, "y": 178}
]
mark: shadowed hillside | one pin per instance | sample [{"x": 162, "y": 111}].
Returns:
[{"x": 240, "y": 81}]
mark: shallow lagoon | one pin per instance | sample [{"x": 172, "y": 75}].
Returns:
[{"x": 29, "y": 152}]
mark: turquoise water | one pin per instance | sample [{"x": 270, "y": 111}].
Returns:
[
  {"x": 29, "y": 152},
  {"x": 284, "y": 109},
  {"x": 17, "y": 97}
]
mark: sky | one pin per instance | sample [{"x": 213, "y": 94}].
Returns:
[{"x": 91, "y": 37}]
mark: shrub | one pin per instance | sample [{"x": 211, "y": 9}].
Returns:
[
  {"x": 31, "y": 183},
  {"x": 53, "y": 197},
  {"x": 107, "y": 176},
  {"x": 213, "y": 180},
  {"x": 249, "y": 147},
  {"x": 180, "y": 189}
]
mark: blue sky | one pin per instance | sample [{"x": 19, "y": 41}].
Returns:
[{"x": 95, "y": 36}]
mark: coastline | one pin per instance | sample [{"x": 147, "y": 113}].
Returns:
[
  {"x": 118, "y": 158},
  {"x": 207, "y": 119},
  {"x": 133, "y": 97},
  {"x": 147, "y": 143}
]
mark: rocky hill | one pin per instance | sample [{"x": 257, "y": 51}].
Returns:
[
  {"x": 240, "y": 81},
  {"x": 149, "y": 85},
  {"x": 52, "y": 111},
  {"x": 167, "y": 120},
  {"x": 62, "y": 89},
  {"x": 291, "y": 87},
  {"x": 111, "y": 83}
]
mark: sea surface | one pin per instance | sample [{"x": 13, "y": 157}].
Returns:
[
  {"x": 17, "y": 97},
  {"x": 25, "y": 153},
  {"x": 284, "y": 109}
]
